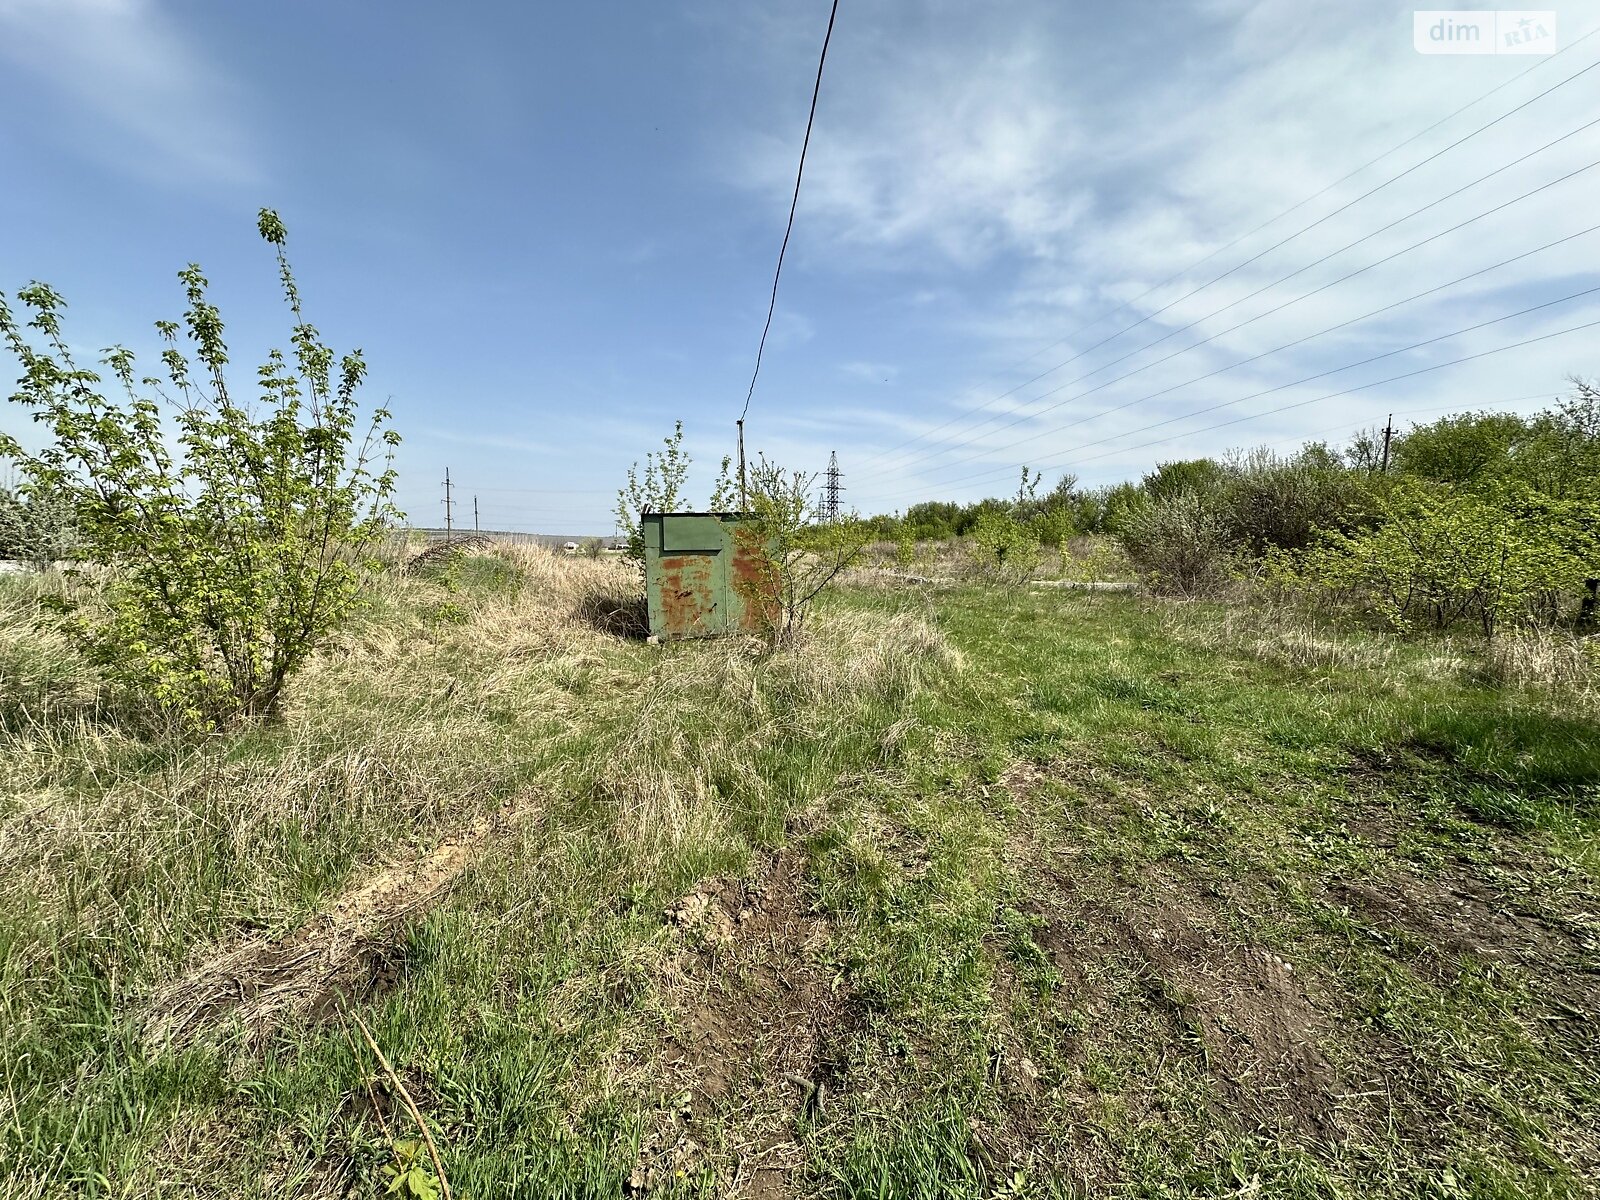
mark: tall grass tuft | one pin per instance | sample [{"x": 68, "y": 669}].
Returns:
[{"x": 1546, "y": 660}]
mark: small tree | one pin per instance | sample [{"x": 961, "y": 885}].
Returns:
[
  {"x": 234, "y": 532},
  {"x": 659, "y": 489},
  {"x": 663, "y": 487},
  {"x": 804, "y": 553},
  {"x": 1005, "y": 546},
  {"x": 37, "y": 526}
]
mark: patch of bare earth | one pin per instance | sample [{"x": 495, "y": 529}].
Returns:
[
  {"x": 1439, "y": 921},
  {"x": 341, "y": 954},
  {"x": 1276, "y": 1041},
  {"x": 1238, "y": 1009},
  {"x": 757, "y": 1013},
  {"x": 1158, "y": 956}
]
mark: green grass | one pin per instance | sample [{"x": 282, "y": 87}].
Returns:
[{"x": 1042, "y": 894}]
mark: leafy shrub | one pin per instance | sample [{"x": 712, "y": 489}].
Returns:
[
  {"x": 1005, "y": 546},
  {"x": 1443, "y": 555},
  {"x": 1272, "y": 501},
  {"x": 1196, "y": 476},
  {"x": 1181, "y": 544},
  {"x": 37, "y": 526},
  {"x": 1462, "y": 448},
  {"x": 803, "y": 553},
  {"x": 234, "y": 555},
  {"x": 1054, "y": 526},
  {"x": 1556, "y": 452},
  {"x": 662, "y": 489}
]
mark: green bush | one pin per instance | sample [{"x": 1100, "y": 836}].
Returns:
[
  {"x": 663, "y": 489},
  {"x": 1181, "y": 544},
  {"x": 1441, "y": 555},
  {"x": 234, "y": 529},
  {"x": 1004, "y": 545},
  {"x": 1270, "y": 501},
  {"x": 804, "y": 552},
  {"x": 1196, "y": 476}
]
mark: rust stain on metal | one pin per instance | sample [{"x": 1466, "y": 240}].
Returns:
[
  {"x": 706, "y": 574},
  {"x": 688, "y": 595},
  {"x": 755, "y": 580}
]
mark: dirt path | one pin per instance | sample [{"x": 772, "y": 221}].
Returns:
[{"x": 338, "y": 954}]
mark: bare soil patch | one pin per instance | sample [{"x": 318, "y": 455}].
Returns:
[
  {"x": 343, "y": 953},
  {"x": 1279, "y": 1044},
  {"x": 1238, "y": 1008},
  {"x": 758, "y": 1017},
  {"x": 1452, "y": 915}
]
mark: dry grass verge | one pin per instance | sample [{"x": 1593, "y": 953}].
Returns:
[{"x": 337, "y": 957}]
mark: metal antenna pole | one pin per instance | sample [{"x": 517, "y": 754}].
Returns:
[{"x": 447, "y": 524}]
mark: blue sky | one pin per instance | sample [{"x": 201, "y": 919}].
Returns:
[{"x": 552, "y": 228}]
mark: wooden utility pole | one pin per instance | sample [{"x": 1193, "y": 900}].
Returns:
[
  {"x": 447, "y": 524},
  {"x": 744, "y": 502},
  {"x": 1388, "y": 432}
]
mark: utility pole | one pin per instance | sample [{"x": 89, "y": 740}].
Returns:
[
  {"x": 447, "y": 523},
  {"x": 475, "y": 515},
  {"x": 1388, "y": 432},
  {"x": 831, "y": 489},
  {"x": 744, "y": 499}
]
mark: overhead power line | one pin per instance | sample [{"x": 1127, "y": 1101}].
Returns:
[
  {"x": 1274, "y": 309},
  {"x": 999, "y": 471},
  {"x": 1036, "y": 414},
  {"x": 1273, "y": 220},
  {"x": 1368, "y": 422},
  {"x": 879, "y": 460},
  {"x": 794, "y": 203},
  {"x": 1454, "y": 362}
]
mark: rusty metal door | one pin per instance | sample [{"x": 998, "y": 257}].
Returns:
[
  {"x": 686, "y": 574},
  {"x": 704, "y": 574}
]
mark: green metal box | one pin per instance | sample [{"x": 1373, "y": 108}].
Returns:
[{"x": 706, "y": 574}]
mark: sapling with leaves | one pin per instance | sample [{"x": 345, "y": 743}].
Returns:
[
  {"x": 659, "y": 489},
  {"x": 803, "y": 553},
  {"x": 662, "y": 487},
  {"x": 236, "y": 530}
]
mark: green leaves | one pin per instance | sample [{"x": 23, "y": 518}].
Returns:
[
  {"x": 232, "y": 531},
  {"x": 1441, "y": 555},
  {"x": 271, "y": 228},
  {"x": 408, "y": 1176},
  {"x": 660, "y": 489},
  {"x": 804, "y": 553},
  {"x": 1005, "y": 545}
]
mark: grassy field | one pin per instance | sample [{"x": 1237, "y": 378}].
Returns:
[{"x": 978, "y": 893}]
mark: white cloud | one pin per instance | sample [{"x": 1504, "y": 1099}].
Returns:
[
  {"x": 871, "y": 372},
  {"x": 970, "y": 158},
  {"x": 1048, "y": 177},
  {"x": 139, "y": 94}
]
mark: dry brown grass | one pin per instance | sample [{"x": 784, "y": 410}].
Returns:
[
  {"x": 1547, "y": 660},
  {"x": 690, "y": 767},
  {"x": 419, "y": 720},
  {"x": 1280, "y": 634}
]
